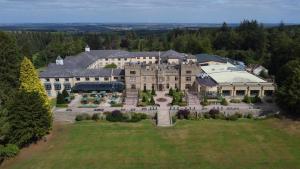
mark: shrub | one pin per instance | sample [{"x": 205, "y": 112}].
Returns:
[
  {"x": 182, "y": 104},
  {"x": 183, "y": 114},
  {"x": 214, "y": 113},
  {"x": 136, "y": 117},
  {"x": 83, "y": 116},
  {"x": 220, "y": 116},
  {"x": 96, "y": 117},
  {"x": 249, "y": 116},
  {"x": 239, "y": 115},
  {"x": 207, "y": 115},
  {"x": 224, "y": 102},
  {"x": 256, "y": 99},
  {"x": 174, "y": 119},
  {"x": 204, "y": 102},
  {"x": 8, "y": 151},
  {"x": 117, "y": 105},
  {"x": 235, "y": 101},
  {"x": 116, "y": 116},
  {"x": 247, "y": 99},
  {"x": 233, "y": 117}
]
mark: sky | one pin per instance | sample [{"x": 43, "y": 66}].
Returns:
[{"x": 148, "y": 11}]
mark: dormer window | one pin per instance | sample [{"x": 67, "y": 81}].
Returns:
[
  {"x": 47, "y": 80},
  {"x": 57, "y": 79}
]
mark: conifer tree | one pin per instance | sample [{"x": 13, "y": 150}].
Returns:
[
  {"x": 30, "y": 82},
  {"x": 28, "y": 118}
]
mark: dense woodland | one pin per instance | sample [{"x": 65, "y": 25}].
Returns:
[{"x": 276, "y": 48}]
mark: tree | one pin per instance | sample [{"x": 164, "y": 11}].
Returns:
[
  {"x": 152, "y": 102},
  {"x": 30, "y": 82},
  {"x": 60, "y": 99},
  {"x": 28, "y": 118},
  {"x": 288, "y": 92},
  {"x": 65, "y": 94},
  {"x": 153, "y": 92},
  {"x": 144, "y": 99},
  {"x": 171, "y": 92},
  {"x": 9, "y": 70}
]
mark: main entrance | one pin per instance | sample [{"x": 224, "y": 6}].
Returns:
[{"x": 160, "y": 87}]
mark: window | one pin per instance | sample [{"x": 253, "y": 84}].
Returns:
[
  {"x": 187, "y": 86},
  {"x": 188, "y": 79},
  {"x": 116, "y": 78},
  {"x": 132, "y": 72},
  {"x": 125, "y": 59},
  {"x": 48, "y": 86},
  {"x": 67, "y": 86},
  {"x": 188, "y": 72},
  {"x": 226, "y": 92},
  {"x": 176, "y": 78},
  {"x": 268, "y": 92},
  {"x": 106, "y": 59},
  {"x": 168, "y": 86},
  {"x": 122, "y": 77},
  {"x": 87, "y": 79},
  {"x": 57, "y": 79},
  {"x": 47, "y": 80},
  {"x": 106, "y": 78},
  {"x": 240, "y": 92},
  {"x": 145, "y": 86},
  {"x": 254, "y": 92},
  {"x": 57, "y": 86},
  {"x": 66, "y": 79},
  {"x": 145, "y": 78},
  {"x": 77, "y": 78},
  {"x": 133, "y": 86},
  {"x": 119, "y": 59},
  {"x": 132, "y": 79},
  {"x": 161, "y": 79},
  {"x": 96, "y": 78}
]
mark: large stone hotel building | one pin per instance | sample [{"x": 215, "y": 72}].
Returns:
[{"x": 146, "y": 70}]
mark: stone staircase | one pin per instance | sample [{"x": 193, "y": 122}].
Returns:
[{"x": 164, "y": 119}]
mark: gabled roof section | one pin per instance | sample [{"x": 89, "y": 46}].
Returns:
[{"x": 202, "y": 58}]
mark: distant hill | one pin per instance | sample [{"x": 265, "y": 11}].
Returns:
[{"x": 107, "y": 27}]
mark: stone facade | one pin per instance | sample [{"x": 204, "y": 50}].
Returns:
[{"x": 160, "y": 76}]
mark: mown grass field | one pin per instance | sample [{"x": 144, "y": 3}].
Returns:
[{"x": 207, "y": 144}]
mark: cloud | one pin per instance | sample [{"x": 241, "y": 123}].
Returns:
[{"x": 152, "y": 10}]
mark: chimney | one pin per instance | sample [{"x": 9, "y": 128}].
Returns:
[{"x": 87, "y": 48}]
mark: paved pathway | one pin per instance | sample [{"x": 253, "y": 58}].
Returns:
[{"x": 163, "y": 116}]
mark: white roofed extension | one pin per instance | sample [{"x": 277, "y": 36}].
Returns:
[{"x": 228, "y": 73}]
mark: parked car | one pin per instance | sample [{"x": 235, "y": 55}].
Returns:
[
  {"x": 144, "y": 109},
  {"x": 68, "y": 109}
]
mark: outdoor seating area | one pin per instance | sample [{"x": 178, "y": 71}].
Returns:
[{"x": 103, "y": 99}]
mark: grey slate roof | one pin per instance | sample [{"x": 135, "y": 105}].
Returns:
[
  {"x": 104, "y": 72},
  {"x": 202, "y": 58},
  {"x": 206, "y": 82},
  {"x": 76, "y": 66}
]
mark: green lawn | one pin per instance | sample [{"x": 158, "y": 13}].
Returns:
[{"x": 206, "y": 144}]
